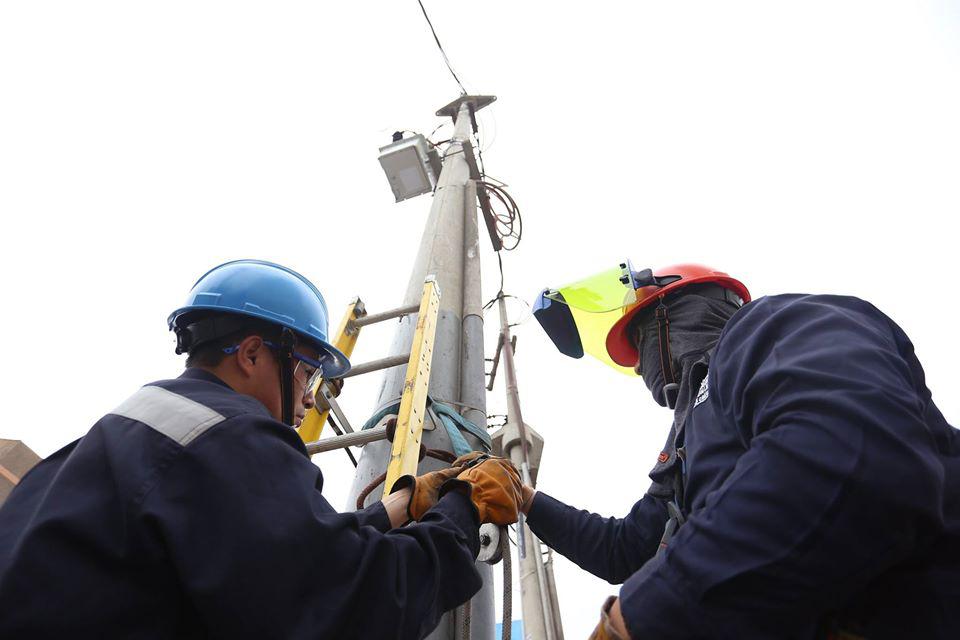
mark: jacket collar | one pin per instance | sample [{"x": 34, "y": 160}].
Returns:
[{"x": 195, "y": 373}]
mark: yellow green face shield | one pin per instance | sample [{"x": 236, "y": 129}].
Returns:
[{"x": 578, "y": 316}]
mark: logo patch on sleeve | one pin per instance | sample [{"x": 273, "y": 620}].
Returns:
[{"x": 703, "y": 393}]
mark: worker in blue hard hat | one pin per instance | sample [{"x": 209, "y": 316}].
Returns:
[
  {"x": 280, "y": 304},
  {"x": 193, "y": 510},
  {"x": 809, "y": 487}
]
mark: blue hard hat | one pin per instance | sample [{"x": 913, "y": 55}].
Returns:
[{"x": 270, "y": 292}]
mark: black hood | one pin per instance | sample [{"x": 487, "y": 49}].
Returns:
[{"x": 696, "y": 320}]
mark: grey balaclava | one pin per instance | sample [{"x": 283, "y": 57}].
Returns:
[{"x": 695, "y": 325}]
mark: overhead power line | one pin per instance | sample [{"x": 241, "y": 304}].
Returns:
[{"x": 440, "y": 46}]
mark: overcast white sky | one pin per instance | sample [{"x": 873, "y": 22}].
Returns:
[{"x": 801, "y": 146}]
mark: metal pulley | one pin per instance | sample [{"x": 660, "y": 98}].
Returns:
[{"x": 490, "y": 549}]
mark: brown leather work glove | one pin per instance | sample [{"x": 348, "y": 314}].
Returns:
[
  {"x": 468, "y": 458},
  {"x": 493, "y": 486},
  {"x": 425, "y": 488},
  {"x": 605, "y": 629}
]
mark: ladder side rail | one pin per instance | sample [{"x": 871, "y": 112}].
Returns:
[
  {"x": 405, "y": 453},
  {"x": 345, "y": 341}
]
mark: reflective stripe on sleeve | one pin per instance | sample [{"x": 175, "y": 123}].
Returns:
[{"x": 179, "y": 418}]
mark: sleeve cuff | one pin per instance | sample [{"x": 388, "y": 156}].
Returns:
[
  {"x": 544, "y": 511},
  {"x": 457, "y": 508},
  {"x": 375, "y": 516}
]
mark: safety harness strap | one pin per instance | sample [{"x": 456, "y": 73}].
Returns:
[
  {"x": 285, "y": 360},
  {"x": 674, "y": 522},
  {"x": 670, "y": 386}
]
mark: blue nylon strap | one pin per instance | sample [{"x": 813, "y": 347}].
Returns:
[
  {"x": 456, "y": 423},
  {"x": 378, "y": 416},
  {"x": 457, "y": 441},
  {"x": 452, "y": 422}
]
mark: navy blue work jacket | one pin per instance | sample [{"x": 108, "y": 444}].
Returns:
[
  {"x": 189, "y": 512},
  {"x": 821, "y": 487}
]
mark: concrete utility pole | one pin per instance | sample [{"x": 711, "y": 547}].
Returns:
[
  {"x": 449, "y": 251},
  {"x": 524, "y": 446}
]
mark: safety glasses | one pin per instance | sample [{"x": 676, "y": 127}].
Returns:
[{"x": 313, "y": 374}]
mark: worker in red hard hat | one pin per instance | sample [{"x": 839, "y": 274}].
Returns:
[{"x": 808, "y": 486}]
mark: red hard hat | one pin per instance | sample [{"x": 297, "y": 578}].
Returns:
[{"x": 621, "y": 346}]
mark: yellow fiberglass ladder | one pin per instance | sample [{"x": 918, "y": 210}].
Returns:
[
  {"x": 405, "y": 453},
  {"x": 408, "y": 431}
]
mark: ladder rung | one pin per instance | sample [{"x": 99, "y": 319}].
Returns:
[
  {"x": 377, "y": 365},
  {"x": 386, "y": 315},
  {"x": 357, "y": 439}
]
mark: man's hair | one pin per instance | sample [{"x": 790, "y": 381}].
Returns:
[{"x": 210, "y": 352}]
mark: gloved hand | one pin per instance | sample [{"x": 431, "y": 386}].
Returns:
[
  {"x": 606, "y": 629},
  {"x": 493, "y": 486},
  {"x": 468, "y": 458},
  {"x": 423, "y": 495},
  {"x": 425, "y": 488}
]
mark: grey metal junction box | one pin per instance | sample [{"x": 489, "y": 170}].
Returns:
[{"x": 408, "y": 164}]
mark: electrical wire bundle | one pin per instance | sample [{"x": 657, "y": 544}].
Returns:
[{"x": 506, "y": 216}]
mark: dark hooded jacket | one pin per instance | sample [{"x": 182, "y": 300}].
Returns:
[{"x": 819, "y": 482}]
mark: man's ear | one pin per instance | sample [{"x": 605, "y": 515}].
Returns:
[{"x": 248, "y": 354}]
